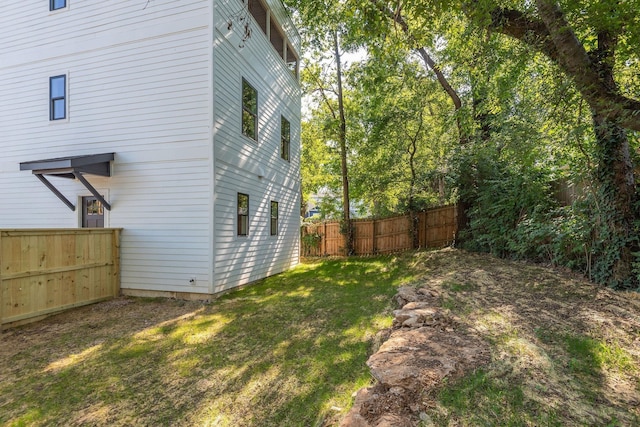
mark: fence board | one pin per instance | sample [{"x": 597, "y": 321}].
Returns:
[
  {"x": 45, "y": 271},
  {"x": 334, "y": 240},
  {"x": 435, "y": 228},
  {"x": 364, "y": 237},
  {"x": 393, "y": 234}
]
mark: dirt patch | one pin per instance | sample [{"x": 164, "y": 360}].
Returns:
[{"x": 568, "y": 349}]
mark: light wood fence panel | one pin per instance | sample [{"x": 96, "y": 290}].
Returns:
[
  {"x": 364, "y": 237},
  {"x": 333, "y": 239},
  {"x": 436, "y": 228},
  {"x": 49, "y": 270},
  {"x": 393, "y": 234}
]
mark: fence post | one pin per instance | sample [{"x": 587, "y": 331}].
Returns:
[
  {"x": 115, "y": 245},
  {"x": 455, "y": 226},
  {"x": 375, "y": 236},
  {"x": 323, "y": 239},
  {"x": 373, "y": 241},
  {"x": 426, "y": 225}
]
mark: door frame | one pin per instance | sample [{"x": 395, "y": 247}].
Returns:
[{"x": 80, "y": 209}]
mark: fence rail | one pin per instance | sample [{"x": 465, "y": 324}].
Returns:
[
  {"x": 434, "y": 228},
  {"x": 43, "y": 271}
]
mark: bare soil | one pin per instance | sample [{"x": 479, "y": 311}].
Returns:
[{"x": 569, "y": 350}]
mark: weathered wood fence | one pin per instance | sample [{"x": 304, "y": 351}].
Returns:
[
  {"x": 43, "y": 271},
  {"x": 435, "y": 228}
]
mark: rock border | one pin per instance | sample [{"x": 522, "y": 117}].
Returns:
[{"x": 425, "y": 346}]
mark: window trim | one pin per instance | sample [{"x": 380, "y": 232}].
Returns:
[
  {"x": 273, "y": 227},
  {"x": 285, "y": 140},
  {"x": 52, "y": 99},
  {"x": 52, "y": 7},
  {"x": 242, "y": 219},
  {"x": 247, "y": 110}
]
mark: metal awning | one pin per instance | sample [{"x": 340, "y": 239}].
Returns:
[{"x": 73, "y": 167}]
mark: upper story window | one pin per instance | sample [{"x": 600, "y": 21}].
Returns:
[
  {"x": 243, "y": 214},
  {"x": 292, "y": 61},
  {"x": 285, "y": 138},
  {"x": 58, "y": 97},
  {"x": 259, "y": 13},
  {"x": 277, "y": 39},
  {"x": 274, "y": 218},
  {"x": 249, "y": 111},
  {"x": 57, "y": 4}
]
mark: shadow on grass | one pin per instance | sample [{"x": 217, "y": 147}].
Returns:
[{"x": 281, "y": 352}]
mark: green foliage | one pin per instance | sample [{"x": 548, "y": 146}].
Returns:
[
  {"x": 503, "y": 196},
  {"x": 311, "y": 241},
  {"x": 560, "y": 236},
  {"x": 526, "y": 121}
]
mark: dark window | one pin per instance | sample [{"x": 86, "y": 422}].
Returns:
[
  {"x": 57, "y": 97},
  {"x": 274, "y": 218},
  {"x": 249, "y": 110},
  {"x": 57, "y": 4},
  {"x": 259, "y": 13},
  {"x": 277, "y": 39},
  {"x": 285, "y": 138},
  {"x": 92, "y": 212},
  {"x": 292, "y": 60},
  {"x": 243, "y": 214}
]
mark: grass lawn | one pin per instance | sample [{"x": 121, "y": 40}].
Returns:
[{"x": 289, "y": 351}]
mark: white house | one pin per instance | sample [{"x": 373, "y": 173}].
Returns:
[{"x": 178, "y": 121}]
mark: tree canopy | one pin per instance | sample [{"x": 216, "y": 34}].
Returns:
[{"x": 501, "y": 106}]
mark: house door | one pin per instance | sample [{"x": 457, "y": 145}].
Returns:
[{"x": 92, "y": 213}]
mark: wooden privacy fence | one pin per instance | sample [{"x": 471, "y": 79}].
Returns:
[
  {"x": 49, "y": 270},
  {"x": 434, "y": 228}
]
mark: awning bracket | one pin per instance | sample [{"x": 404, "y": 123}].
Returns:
[
  {"x": 72, "y": 167},
  {"x": 93, "y": 191},
  {"x": 55, "y": 191}
]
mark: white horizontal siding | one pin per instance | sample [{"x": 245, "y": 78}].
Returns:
[
  {"x": 139, "y": 85},
  {"x": 28, "y": 24},
  {"x": 253, "y": 168}
]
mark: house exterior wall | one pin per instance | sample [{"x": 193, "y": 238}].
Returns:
[
  {"x": 255, "y": 168},
  {"x": 140, "y": 82}
]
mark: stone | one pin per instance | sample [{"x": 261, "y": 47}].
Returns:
[
  {"x": 420, "y": 357},
  {"x": 353, "y": 418},
  {"x": 393, "y": 420},
  {"x": 417, "y": 305},
  {"x": 406, "y": 294},
  {"x": 412, "y": 322},
  {"x": 414, "y": 359}
]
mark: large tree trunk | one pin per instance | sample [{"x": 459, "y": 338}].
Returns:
[
  {"x": 619, "y": 212},
  {"x": 613, "y": 113},
  {"x": 347, "y": 227}
]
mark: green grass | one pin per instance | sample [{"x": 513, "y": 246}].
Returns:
[
  {"x": 480, "y": 399},
  {"x": 291, "y": 351},
  {"x": 282, "y": 352},
  {"x": 458, "y": 287}
]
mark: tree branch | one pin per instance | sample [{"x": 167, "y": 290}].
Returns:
[
  {"x": 553, "y": 36},
  {"x": 399, "y": 19},
  {"x": 321, "y": 89},
  {"x": 526, "y": 29}
]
